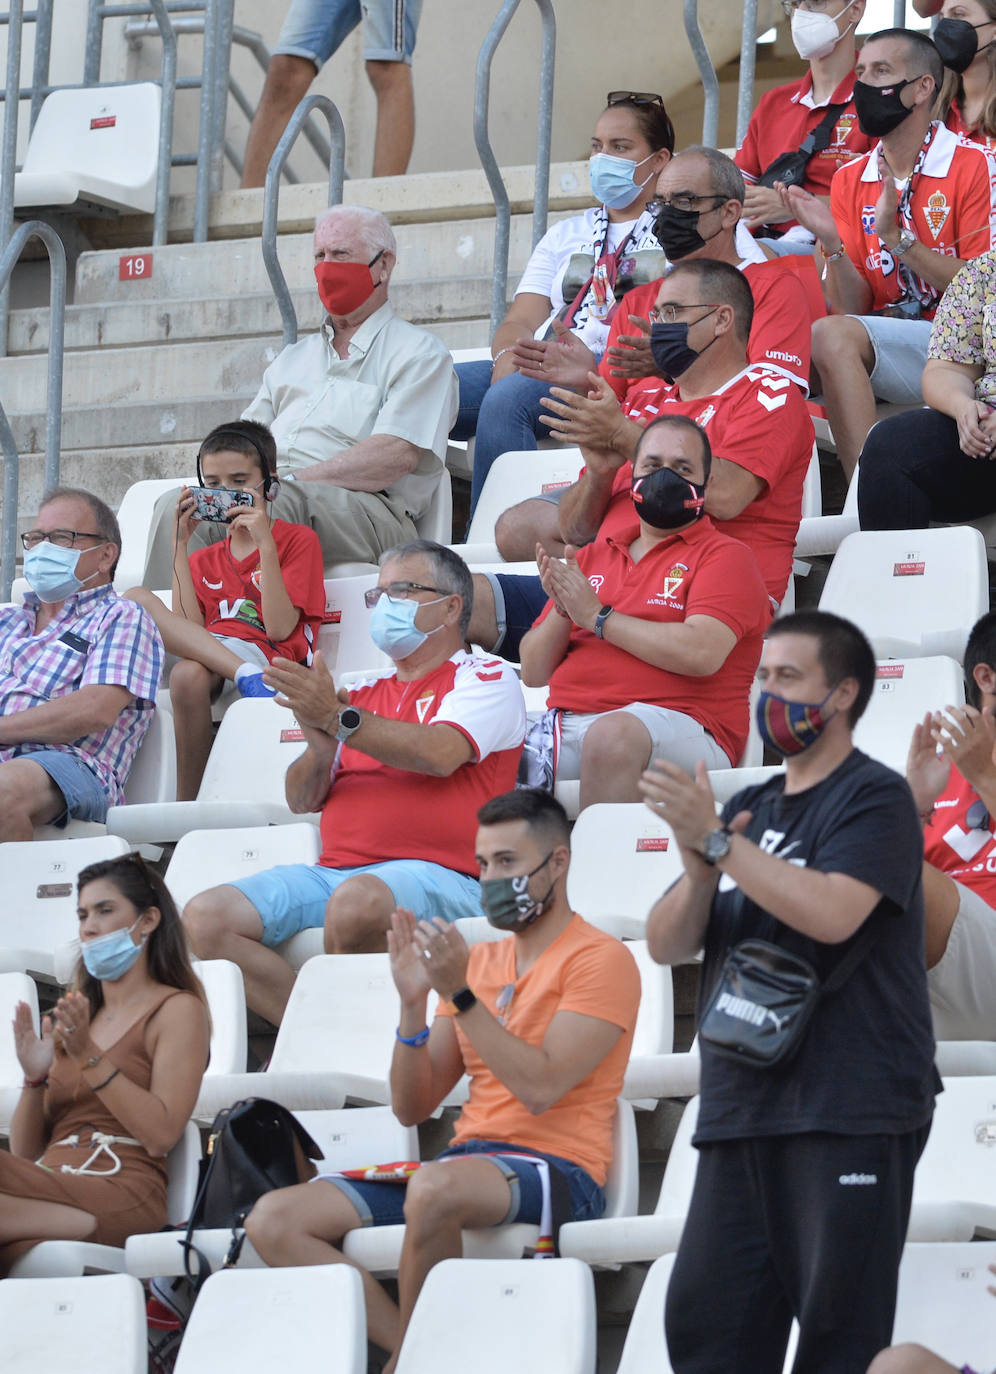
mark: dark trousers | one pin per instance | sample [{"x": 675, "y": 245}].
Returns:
[
  {"x": 912, "y": 471},
  {"x": 806, "y": 1226}
]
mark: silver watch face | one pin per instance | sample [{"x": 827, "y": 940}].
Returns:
[{"x": 716, "y": 846}]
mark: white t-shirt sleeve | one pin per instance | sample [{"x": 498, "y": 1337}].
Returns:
[{"x": 486, "y": 704}]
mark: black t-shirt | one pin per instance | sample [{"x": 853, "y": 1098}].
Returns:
[{"x": 866, "y": 1063}]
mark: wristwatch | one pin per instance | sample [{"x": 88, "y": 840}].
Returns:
[
  {"x": 716, "y": 845},
  {"x": 906, "y": 241},
  {"x": 463, "y": 1000},
  {"x": 600, "y": 619},
  {"x": 350, "y": 721}
]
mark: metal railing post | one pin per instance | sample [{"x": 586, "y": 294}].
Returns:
[
  {"x": 499, "y": 191},
  {"x": 748, "y": 54},
  {"x": 53, "y": 394},
  {"x": 94, "y": 44},
  {"x": 8, "y": 155},
  {"x": 710, "y": 82},
  {"x": 223, "y": 55},
  {"x": 271, "y": 196},
  {"x": 43, "y": 49},
  {"x": 160, "y": 222},
  {"x": 205, "y": 131}
]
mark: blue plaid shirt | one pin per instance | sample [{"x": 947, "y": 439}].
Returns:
[{"x": 96, "y": 639}]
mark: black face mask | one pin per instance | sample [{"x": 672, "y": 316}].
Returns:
[
  {"x": 670, "y": 348},
  {"x": 667, "y": 500},
  {"x": 956, "y": 41},
  {"x": 677, "y": 232},
  {"x": 880, "y": 108}
]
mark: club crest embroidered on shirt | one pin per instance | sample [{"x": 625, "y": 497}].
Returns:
[
  {"x": 707, "y": 414},
  {"x": 257, "y": 579},
  {"x": 841, "y": 133},
  {"x": 423, "y": 704},
  {"x": 936, "y": 212},
  {"x": 673, "y": 579}
]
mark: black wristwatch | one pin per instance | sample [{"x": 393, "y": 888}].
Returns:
[
  {"x": 600, "y": 619},
  {"x": 350, "y": 721},
  {"x": 716, "y": 845},
  {"x": 463, "y": 1000}
]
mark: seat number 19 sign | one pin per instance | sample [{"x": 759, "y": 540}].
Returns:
[{"x": 131, "y": 266}]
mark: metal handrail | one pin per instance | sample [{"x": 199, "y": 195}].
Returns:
[
  {"x": 271, "y": 196},
  {"x": 53, "y": 392},
  {"x": 8, "y": 149},
  {"x": 748, "y": 55},
  {"x": 499, "y": 192},
  {"x": 710, "y": 82}
]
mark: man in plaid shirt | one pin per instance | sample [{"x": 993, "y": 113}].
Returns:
[{"x": 79, "y": 669}]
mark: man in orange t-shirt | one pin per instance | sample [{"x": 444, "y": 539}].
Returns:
[{"x": 541, "y": 1022}]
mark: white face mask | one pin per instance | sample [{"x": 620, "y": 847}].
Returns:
[{"x": 815, "y": 35}]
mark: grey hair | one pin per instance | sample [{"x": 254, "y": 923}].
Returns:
[
  {"x": 725, "y": 176},
  {"x": 449, "y": 572},
  {"x": 104, "y": 520},
  {"x": 374, "y": 229}
]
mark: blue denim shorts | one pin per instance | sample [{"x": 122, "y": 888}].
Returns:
[
  {"x": 900, "y": 348},
  {"x": 292, "y": 897},
  {"x": 383, "y": 1203},
  {"x": 315, "y": 29},
  {"x": 84, "y": 795}
]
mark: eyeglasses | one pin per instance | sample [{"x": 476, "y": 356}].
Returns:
[
  {"x": 687, "y": 203},
  {"x": 398, "y": 591},
  {"x": 811, "y": 6},
  {"x": 668, "y": 312},
  {"x": 62, "y": 539},
  {"x": 502, "y": 1003},
  {"x": 634, "y": 98}
]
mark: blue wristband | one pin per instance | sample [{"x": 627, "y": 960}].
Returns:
[{"x": 414, "y": 1041}]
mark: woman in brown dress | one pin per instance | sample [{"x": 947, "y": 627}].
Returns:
[{"x": 111, "y": 1082}]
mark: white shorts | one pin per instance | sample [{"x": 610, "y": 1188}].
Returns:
[
  {"x": 672, "y": 735},
  {"x": 962, "y": 985},
  {"x": 900, "y": 348}
]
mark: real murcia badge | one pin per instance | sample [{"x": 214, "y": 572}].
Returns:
[
  {"x": 422, "y": 705},
  {"x": 936, "y": 212},
  {"x": 673, "y": 579}
]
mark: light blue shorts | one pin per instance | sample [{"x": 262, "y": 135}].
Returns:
[
  {"x": 292, "y": 897},
  {"x": 85, "y": 797},
  {"x": 900, "y": 348},
  {"x": 315, "y": 29}
]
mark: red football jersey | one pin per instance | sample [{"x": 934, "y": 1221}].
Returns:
[{"x": 963, "y": 851}]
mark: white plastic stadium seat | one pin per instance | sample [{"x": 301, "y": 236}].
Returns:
[
  {"x": 67, "y": 1258},
  {"x": 349, "y": 1139},
  {"x": 812, "y": 488},
  {"x": 345, "y": 643},
  {"x": 14, "y": 988},
  {"x": 514, "y": 477},
  {"x": 905, "y": 689},
  {"x": 913, "y": 592},
  {"x": 135, "y": 518},
  {"x": 74, "y": 1323},
  {"x": 727, "y": 782},
  {"x": 378, "y": 1248},
  {"x": 297, "y": 1318},
  {"x": 38, "y": 917},
  {"x": 95, "y": 146},
  {"x": 646, "y": 1343},
  {"x": 511, "y": 1316},
  {"x": 823, "y": 534},
  {"x": 621, "y": 1240},
  {"x": 225, "y": 991},
  {"x": 943, "y": 1302},
  {"x": 243, "y": 783},
  {"x": 953, "y": 1187},
  {"x": 623, "y": 857}
]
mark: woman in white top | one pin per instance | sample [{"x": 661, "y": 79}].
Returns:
[{"x": 577, "y": 272}]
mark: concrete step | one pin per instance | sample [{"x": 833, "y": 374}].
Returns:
[
  {"x": 422, "y": 196},
  {"x": 107, "y": 473},
  {"x": 121, "y": 323},
  {"x": 426, "y": 253}
]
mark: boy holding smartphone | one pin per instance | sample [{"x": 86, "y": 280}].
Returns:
[{"x": 256, "y": 595}]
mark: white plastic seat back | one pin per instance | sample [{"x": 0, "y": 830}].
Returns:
[
  {"x": 646, "y": 1343},
  {"x": 205, "y": 858},
  {"x": 74, "y": 1323},
  {"x": 357, "y": 1137},
  {"x": 153, "y": 774},
  {"x": 135, "y": 516},
  {"x": 622, "y": 858},
  {"x": 727, "y": 782},
  {"x": 513, "y": 1314},
  {"x": 38, "y": 916},
  {"x": 14, "y": 988},
  {"x": 905, "y": 689},
  {"x": 943, "y": 1301},
  {"x": 956, "y": 1169},
  {"x": 94, "y": 145},
  {"x": 516, "y": 476},
  {"x": 913, "y": 592},
  {"x": 654, "y": 1032},
  {"x": 226, "y": 998},
  {"x": 436, "y": 521},
  {"x": 812, "y": 488},
  {"x": 823, "y": 534},
  {"x": 348, "y": 639},
  {"x": 308, "y": 1317}
]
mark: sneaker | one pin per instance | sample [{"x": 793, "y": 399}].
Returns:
[{"x": 249, "y": 681}]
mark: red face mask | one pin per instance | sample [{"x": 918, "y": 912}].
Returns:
[{"x": 344, "y": 286}]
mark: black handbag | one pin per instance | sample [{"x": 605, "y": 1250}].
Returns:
[
  {"x": 764, "y": 998},
  {"x": 790, "y": 168},
  {"x": 254, "y": 1146}
]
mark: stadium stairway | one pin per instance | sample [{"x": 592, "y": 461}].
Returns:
[{"x": 162, "y": 344}]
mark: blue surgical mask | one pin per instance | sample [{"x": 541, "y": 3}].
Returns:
[
  {"x": 612, "y": 179},
  {"x": 109, "y": 957},
  {"x": 51, "y": 571},
  {"x": 393, "y": 628}
]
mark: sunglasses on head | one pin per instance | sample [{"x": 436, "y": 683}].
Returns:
[{"x": 634, "y": 98}]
